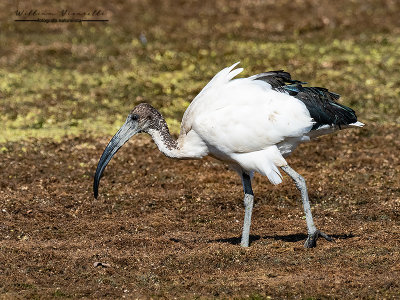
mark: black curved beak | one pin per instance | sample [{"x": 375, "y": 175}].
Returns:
[{"x": 129, "y": 129}]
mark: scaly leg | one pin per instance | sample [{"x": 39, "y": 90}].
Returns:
[
  {"x": 248, "y": 207},
  {"x": 313, "y": 232}
]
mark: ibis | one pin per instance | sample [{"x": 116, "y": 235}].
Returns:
[{"x": 252, "y": 124}]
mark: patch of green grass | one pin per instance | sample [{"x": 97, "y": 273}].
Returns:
[
  {"x": 85, "y": 79},
  {"x": 60, "y": 294}
]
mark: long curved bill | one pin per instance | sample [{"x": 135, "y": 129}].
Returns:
[{"x": 129, "y": 129}]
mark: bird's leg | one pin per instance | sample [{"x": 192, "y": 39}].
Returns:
[
  {"x": 313, "y": 232},
  {"x": 248, "y": 208}
]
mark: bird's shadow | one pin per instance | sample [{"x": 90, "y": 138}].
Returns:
[{"x": 291, "y": 238}]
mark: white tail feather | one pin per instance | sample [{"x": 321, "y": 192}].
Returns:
[{"x": 357, "y": 124}]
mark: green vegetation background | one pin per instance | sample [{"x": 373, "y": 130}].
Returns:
[{"x": 83, "y": 79}]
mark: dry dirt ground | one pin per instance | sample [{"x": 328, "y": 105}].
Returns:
[{"x": 165, "y": 228}]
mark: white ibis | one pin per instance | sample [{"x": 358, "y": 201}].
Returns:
[{"x": 249, "y": 123}]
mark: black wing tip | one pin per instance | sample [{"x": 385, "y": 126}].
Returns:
[
  {"x": 278, "y": 78},
  {"x": 320, "y": 102}
]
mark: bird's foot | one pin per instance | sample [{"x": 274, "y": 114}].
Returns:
[{"x": 311, "y": 241}]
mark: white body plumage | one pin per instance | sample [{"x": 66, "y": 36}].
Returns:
[
  {"x": 250, "y": 123},
  {"x": 245, "y": 123}
]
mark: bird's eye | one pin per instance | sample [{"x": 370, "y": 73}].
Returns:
[{"x": 135, "y": 117}]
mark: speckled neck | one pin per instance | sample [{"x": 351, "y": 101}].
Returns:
[{"x": 163, "y": 139}]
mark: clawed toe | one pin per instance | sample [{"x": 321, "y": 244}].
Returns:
[{"x": 311, "y": 241}]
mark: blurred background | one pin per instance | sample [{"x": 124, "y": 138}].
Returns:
[
  {"x": 171, "y": 229},
  {"x": 60, "y": 79}
]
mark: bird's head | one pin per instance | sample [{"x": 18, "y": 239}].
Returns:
[
  {"x": 146, "y": 117},
  {"x": 142, "y": 118}
]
